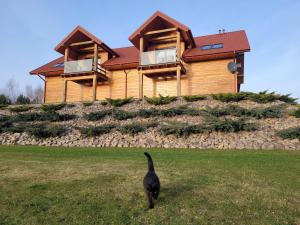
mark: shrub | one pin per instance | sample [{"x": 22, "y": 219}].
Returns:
[
  {"x": 296, "y": 113},
  {"x": 136, "y": 127},
  {"x": 70, "y": 105},
  {"x": 4, "y": 125},
  {"x": 4, "y": 118},
  {"x": 261, "y": 97},
  {"x": 3, "y": 106},
  {"x": 161, "y": 100},
  {"x": 229, "y": 125},
  {"x": 181, "y": 129},
  {"x": 94, "y": 116},
  {"x": 265, "y": 97},
  {"x": 174, "y": 111},
  {"x": 86, "y": 104},
  {"x": 123, "y": 115},
  {"x": 22, "y": 108},
  {"x": 16, "y": 128},
  {"x": 53, "y": 107},
  {"x": 46, "y": 116},
  {"x": 291, "y": 133},
  {"x": 118, "y": 102},
  {"x": 193, "y": 98},
  {"x": 146, "y": 113},
  {"x": 96, "y": 131},
  {"x": 269, "y": 112},
  {"x": 229, "y": 97},
  {"x": 258, "y": 113},
  {"x": 4, "y": 100},
  {"x": 104, "y": 103},
  {"x": 21, "y": 99},
  {"x": 45, "y": 131}
]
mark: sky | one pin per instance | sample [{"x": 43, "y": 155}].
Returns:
[{"x": 31, "y": 29}]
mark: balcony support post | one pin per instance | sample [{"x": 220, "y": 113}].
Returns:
[
  {"x": 95, "y": 57},
  {"x": 141, "y": 48},
  {"x": 178, "y": 75},
  {"x": 178, "y": 50},
  {"x": 141, "y": 84},
  {"x": 94, "y": 87},
  {"x": 64, "y": 97}
]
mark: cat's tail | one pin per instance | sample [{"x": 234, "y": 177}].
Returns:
[{"x": 150, "y": 162}]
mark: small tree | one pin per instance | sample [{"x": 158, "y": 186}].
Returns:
[
  {"x": 38, "y": 95},
  {"x": 12, "y": 89},
  {"x": 21, "y": 99},
  {"x": 4, "y": 100},
  {"x": 29, "y": 92}
]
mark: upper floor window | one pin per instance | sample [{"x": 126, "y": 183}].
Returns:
[{"x": 213, "y": 46}]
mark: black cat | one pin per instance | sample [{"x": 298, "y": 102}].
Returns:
[{"x": 151, "y": 182}]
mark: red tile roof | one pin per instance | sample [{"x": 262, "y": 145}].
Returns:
[
  {"x": 232, "y": 42},
  {"x": 129, "y": 56},
  {"x": 49, "y": 67}
]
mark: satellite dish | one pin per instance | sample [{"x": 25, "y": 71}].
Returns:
[{"x": 232, "y": 67}]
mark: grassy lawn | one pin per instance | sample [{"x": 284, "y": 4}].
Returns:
[{"x": 104, "y": 186}]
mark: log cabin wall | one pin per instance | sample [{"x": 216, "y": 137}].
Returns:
[
  {"x": 201, "y": 78},
  {"x": 210, "y": 77},
  {"x": 54, "y": 89}
]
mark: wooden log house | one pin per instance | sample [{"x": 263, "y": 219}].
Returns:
[{"x": 165, "y": 59}]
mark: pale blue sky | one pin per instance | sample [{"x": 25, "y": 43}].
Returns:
[{"x": 31, "y": 29}]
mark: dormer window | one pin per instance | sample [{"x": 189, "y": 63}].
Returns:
[{"x": 59, "y": 65}]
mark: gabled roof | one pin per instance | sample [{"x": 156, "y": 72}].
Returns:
[
  {"x": 79, "y": 34},
  {"x": 158, "y": 21}
]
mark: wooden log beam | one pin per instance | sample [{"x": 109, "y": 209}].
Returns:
[
  {"x": 141, "y": 84},
  {"x": 94, "y": 87},
  {"x": 154, "y": 87},
  {"x": 67, "y": 54},
  {"x": 64, "y": 97},
  {"x": 178, "y": 75},
  {"x": 169, "y": 37},
  {"x": 160, "y": 31},
  {"x": 87, "y": 77},
  {"x": 178, "y": 50},
  {"x": 81, "y": 43},
  {"x": 141, "y": 47},
  {"x": 95, "y": 57},
  {"x": 162, "y": 70}
]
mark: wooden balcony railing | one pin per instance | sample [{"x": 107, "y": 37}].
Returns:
[
  {"x": 82, "y": 66},
  {"x": 158, "y": 57}
]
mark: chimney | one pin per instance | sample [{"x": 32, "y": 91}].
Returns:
[
  {"x": 220, "y": 31},
  {"x": 223, "y": 31}
]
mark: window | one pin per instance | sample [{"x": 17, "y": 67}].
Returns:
[
  {"x": 59, "y": 65},
  {"x": 220, "y": 45},
  {"x": 206, "y": 47},
  {"x": 213, "y": 46}
]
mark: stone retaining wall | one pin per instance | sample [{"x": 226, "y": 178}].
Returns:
[{"x": 263, "y": 138}]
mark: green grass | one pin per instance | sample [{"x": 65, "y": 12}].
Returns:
[{"x": 40, "y": 185}]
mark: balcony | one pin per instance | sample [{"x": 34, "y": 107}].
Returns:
[
  {"x": 79, "y": 66},
  {"x": 157, "y": 57},
  {"x": 83, "y": 67}
]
